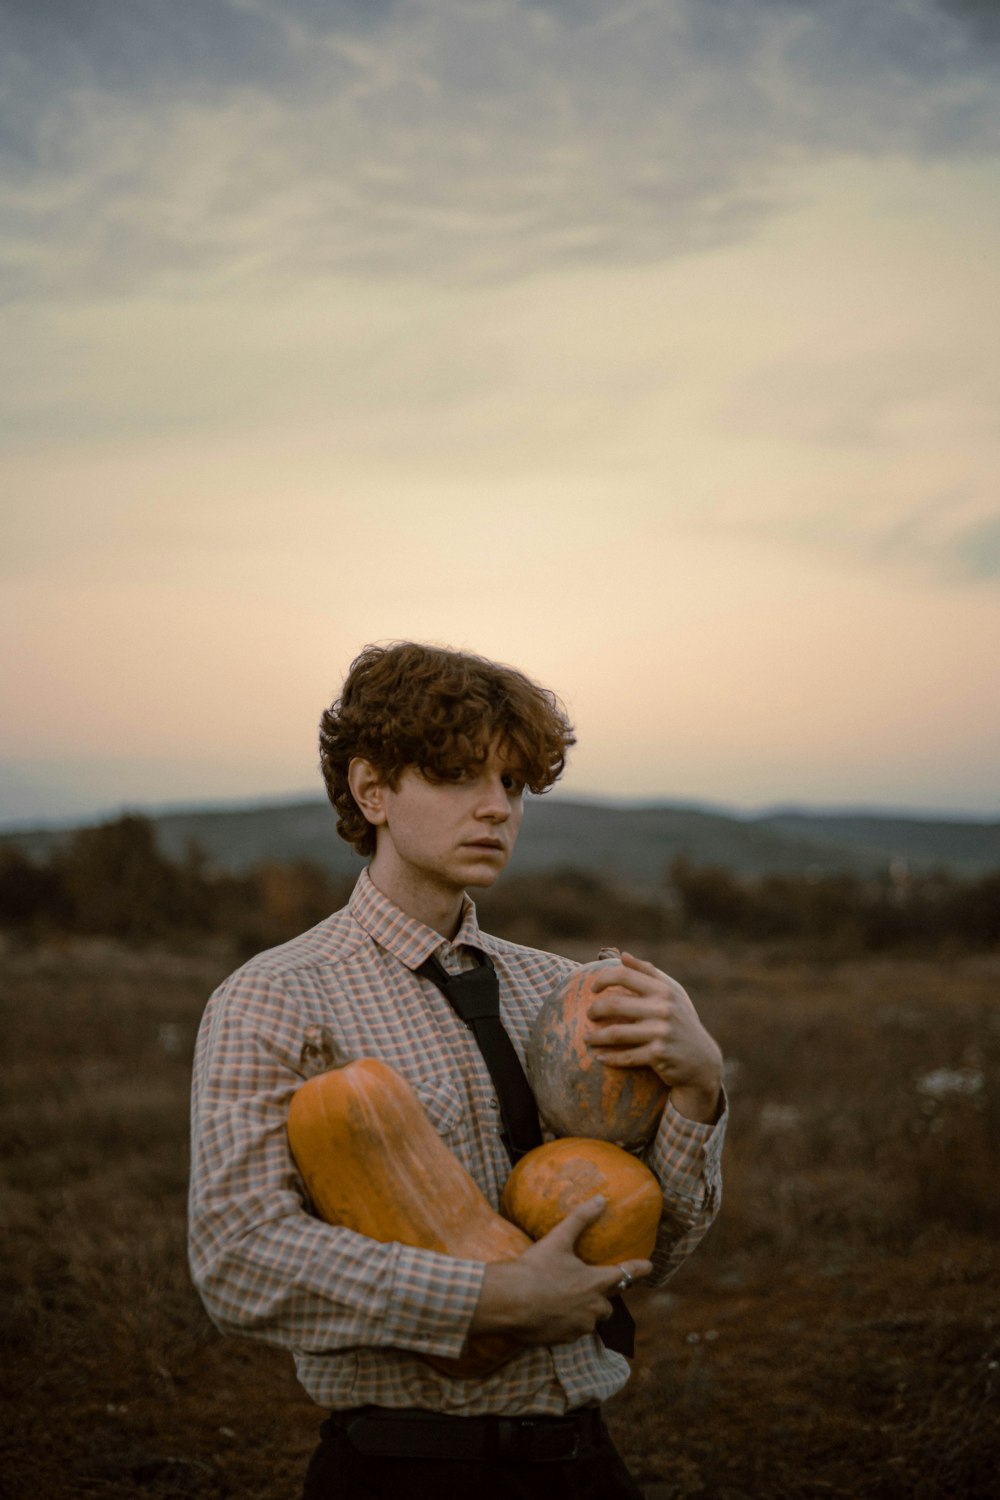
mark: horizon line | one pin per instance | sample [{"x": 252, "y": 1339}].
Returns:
[{"x": 12, "y": 825}]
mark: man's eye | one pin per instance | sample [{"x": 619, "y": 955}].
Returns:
[{"x": 512, "y": 783}]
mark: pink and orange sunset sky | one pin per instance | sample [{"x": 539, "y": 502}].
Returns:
[{"x": 649, "y": 345}]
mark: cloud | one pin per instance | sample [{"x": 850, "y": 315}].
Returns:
[
  {"x": 959, "y": 536},
  {"x": 951, "y": 538},
  {"x": 982, "y": 17},
  {"x": 956, "y": 537},
  {"x": 977, "y": 548},
  {"x": 462, "y": 141},
  {"x": 188, "y": 49}
]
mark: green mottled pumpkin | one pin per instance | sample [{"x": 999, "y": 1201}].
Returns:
[{"x": 577, "y": 1094}]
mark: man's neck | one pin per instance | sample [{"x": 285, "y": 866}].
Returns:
[{"x": 439, "y": 909}]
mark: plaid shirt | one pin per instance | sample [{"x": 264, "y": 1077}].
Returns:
[{"x": 356, "y": 1313}]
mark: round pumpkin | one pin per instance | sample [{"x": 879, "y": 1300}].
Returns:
[
  {"x": 577, "y": 1094},
  {"x": 548, "y": 1183},
  {"x": 373, "y": 1162}
]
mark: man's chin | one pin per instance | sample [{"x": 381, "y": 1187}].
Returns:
[{"x": 483, "y": 876}]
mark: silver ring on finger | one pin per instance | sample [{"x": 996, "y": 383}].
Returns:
[{"x": 623, "y": 1284}]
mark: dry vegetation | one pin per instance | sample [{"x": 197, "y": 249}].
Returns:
[{"x": 838, "y": 1334}]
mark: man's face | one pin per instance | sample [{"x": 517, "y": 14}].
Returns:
[{"x": 446, "y": 835}]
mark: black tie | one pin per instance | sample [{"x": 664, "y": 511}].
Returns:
[{"x": 474, "y": 995}]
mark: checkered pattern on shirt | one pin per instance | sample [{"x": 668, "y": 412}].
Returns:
[{"x": 357, "y": 1314}]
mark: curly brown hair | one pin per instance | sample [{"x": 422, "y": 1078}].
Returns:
[{"x": 438, "y": 710}]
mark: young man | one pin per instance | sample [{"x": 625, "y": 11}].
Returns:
[{"x": 426, "y": 756}]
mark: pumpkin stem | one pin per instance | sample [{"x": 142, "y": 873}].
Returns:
[{"x": 320, "y": 1053}]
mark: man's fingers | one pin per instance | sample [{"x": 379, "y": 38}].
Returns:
[
  {"x": 630, "y": 961},
  {"x": 628, "y": 974},
  {"x": 620, "y": 1007},
  {"x": 621, "y": 1057},
  {"x": 568, "y": 1231},
  {"x": 627, "y": 1033},
  {"x": 618, "y": 978},
  {"x": 629, "y": 1271}
]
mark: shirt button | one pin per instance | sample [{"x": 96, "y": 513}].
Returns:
[{"x": 494, "y": 1104}]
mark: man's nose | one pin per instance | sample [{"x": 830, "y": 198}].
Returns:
[{"x": 494, "y": 802}]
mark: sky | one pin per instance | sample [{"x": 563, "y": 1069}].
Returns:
[{"x": 647, "y": 345}]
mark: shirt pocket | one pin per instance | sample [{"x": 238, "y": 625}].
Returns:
[{"x": 442, "y": 1103}]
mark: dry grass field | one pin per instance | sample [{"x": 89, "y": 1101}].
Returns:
[{"x": 838, "y": 1334}]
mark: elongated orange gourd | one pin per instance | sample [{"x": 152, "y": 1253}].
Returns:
[
  {"x": 577, "y": 1094},
  {"x": 548, "y": 1182},
  {"x": 372, "y": 1161}
]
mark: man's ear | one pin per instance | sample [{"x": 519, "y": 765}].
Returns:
[{"x": 367, "y": 789}]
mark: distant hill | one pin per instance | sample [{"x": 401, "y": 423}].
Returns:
[{"x": 633, "y": 844}]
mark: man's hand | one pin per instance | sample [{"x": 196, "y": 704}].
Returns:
[
  {"x": 549, "y": 1295},
  {"x": 650, "y": 1022}
]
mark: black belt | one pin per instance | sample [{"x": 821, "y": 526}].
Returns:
[{"x": 390, "y": 1432}]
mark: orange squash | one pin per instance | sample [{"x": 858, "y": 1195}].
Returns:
[
  {"x": 577, "y": 1094},
  {"x": 373, "y": 1162},
  {"x": 548, "y": 1182}
]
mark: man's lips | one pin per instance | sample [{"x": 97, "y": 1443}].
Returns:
[{"x": 495, "y": 844}]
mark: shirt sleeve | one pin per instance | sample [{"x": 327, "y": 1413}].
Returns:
[
  {"x": 686, "y": 1158},
  {"x": 265, "y": 1267}
]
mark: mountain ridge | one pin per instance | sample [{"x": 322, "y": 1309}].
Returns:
[{"x": 633, "y": 843}]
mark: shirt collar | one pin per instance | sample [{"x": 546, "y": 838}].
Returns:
[{"x": 404, "y": 937}]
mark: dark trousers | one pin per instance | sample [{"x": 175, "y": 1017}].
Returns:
[{"x": 339, "y": 1471}]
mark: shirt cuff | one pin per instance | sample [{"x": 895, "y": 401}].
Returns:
[{"x": 686, "y": 1155}]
